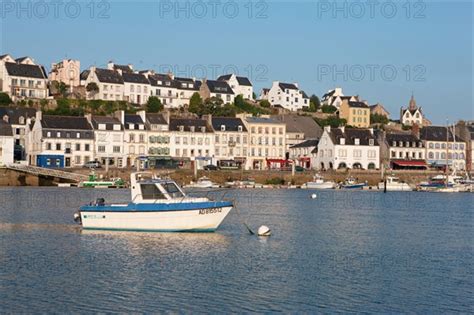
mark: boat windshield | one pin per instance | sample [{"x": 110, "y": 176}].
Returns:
[
  {"x": 151, "y": 192},
  {"x": 172, "y": 190}
]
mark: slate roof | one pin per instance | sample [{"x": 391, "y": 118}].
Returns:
[
  {"x": 358, "y": 105},
  {"x": 21, "y": 59},
  {"x": 220, "y": 87},
  {"x": 187, "y": 123},
  {"x": 196, "y": 84},
  {"x": 108, "y": 121},
  {"x": 124, "y": 68},
  {"x": 14, "y": 114},
  {"x": 230, "y": 123},
  {"x": 156, "y": 119},
  {"x": 134, "y": 78},
  {"x": 84, "y": 74},
  {"x": 263, "y": 120},
  {"x": 5, "y": 129},
  {"x": 289, "y": 86},
  {"x": 27, "y": 71},
  {"x": 241, "y": 80},
  {"x": 404, "y": 137},
  {"x": 155, "y": 78},
  {"x": 65, "y": 122},
  {"x": 133, "y": 119},
  {"x": 306, "y": 144},
  {"x": 437, "y": 133},
  {"x": 108, "y": 76},
  {"x": 224, "y": 77},
  {"x": 328, "y": 94},
  {"x": 301, "y": 124},
  {"x": 350, "y": 134}
]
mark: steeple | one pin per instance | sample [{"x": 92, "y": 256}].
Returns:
[{"x": 412, "y": 105}]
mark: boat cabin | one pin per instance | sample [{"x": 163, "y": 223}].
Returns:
[{"x": 147, "y": 188}]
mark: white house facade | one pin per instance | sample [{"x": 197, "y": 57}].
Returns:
[
  {"x": 443, "y": 148},
  {"x": 240, "y": 85},
  {"x": 348, "y": 148},
  {"x": 6, "y": 143},
  {"x": 287, "y": 95},
  {"x": 109, "y": 82},
  {"x": 109, "y": 140}
]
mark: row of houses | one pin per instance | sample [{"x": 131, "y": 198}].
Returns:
[
  {"x": 22, "y": 78},
  {"x": 158, "y": 140},
  {"x": 355, "y": 148}
]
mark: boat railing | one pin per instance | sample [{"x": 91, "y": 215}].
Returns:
[{"x": 185, "y": 198}]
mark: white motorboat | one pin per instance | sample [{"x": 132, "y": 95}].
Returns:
[
  {"x": 394, "y": 184},
  {"x": 351, "y": 183},
  {"x": 203, "y": 182},
  {"x": 156, "y": 205},
  {"x": 318, "y": 182}
]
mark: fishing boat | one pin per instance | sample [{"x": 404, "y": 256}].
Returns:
[
  {"x": 318, "y": 182},
  {"x": 203, "y": 182},
  {"x": 351, "y": 183},
  {"x": 94, "y": 182},
  {"x": 156, "y": 205},
  {"x": 393, "y": 183}
]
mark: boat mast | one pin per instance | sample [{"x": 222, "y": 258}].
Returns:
[{"x": 447, "y": 152}]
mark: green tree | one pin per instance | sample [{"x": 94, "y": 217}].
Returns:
[
  {"x": 92, "y": 87},
  {"x": 195, "y": 103},
  {"x": 328, "y": 109},
  {"x": 5, "y": 99},
  {"x": 332, "y": 121},
  {"x": 314, "y": 103},
  {"x": 63, "y": 89},
  {"x": 153, "y": 105},
  {"x": 254, "y": 96},
  {"x": 378, "y": 119},
  {"x": 265, "y": 104}
]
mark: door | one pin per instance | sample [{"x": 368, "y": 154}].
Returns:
[{"x": 68, "y": 162}]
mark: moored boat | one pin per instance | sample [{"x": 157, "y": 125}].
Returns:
[
  {"x": 351, "y": 183},
  {"x": 318, "y": 182},
  {"x": 94, "y": 182},
  {"x": 156, "y": 205},
  {"x": 394, "y": 184},
  {"x": 203, "y": 182}
]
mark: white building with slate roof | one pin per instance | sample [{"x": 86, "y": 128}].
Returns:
[
  {"x": 6, "y": 143},
  {"x": 240, "y": 85},
  {"x": 286, "y": 95},
  {"x": 23, "y": 78}
]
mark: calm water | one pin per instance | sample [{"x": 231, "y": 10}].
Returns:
[{"x": 345, "y": 251}]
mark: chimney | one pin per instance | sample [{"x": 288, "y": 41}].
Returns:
[
  {"x": 142, "y": 114},
  {"x": 327, "y": 129},
  {"x": 39, "y": 115},
  {"x": 166, "y": 115},
  {"x": 415, "y": 130},
  {"x": 343, "y": 129},
  {"x": 208, "y": 118},
  {"x": 110, "y": 65},
  {"x": 89, "y": 118},
  {"x": 120, "y": 115}
]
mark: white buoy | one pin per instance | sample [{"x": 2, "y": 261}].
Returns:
[
  {"x": 264, "y": 231},
  {"x": 314, "y": 196}
]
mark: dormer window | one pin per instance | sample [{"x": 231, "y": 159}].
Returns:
[
  {"x": 181, "y": 128},
  {"x": 239, "y": 128},
  {"x": 394, "y": 143},
  {"x": 407, "y": 144},
  {"x": 102, "y": 127},
  {"x": 371, "y": 141},
  {"x": 192, "y": 128},
  {"x": 342, "y": 141},
  {"x": 356, "y": 141},
  {"x": 401, "y": 143},
  {"x": 203, "y": 129},
  {"x": 5, "y": 118},
  {"x": 21, "y": 120},
  {"x": 222, "y": 127}
]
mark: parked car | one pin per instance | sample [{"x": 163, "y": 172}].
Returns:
[
  {"x": 210, "y": 167},
  {"x": 299, "y": 168},
  {"x": 92, "y": 164}
]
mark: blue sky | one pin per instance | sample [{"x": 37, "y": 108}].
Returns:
[{"x": 381, "y": 52}]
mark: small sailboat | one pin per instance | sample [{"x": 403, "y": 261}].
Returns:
[
  {"x": 351, "y": 183},
  {"x": 156, "y": 205},
  {"x": 318, "y": 182},
  {"x": 392, "y": 183}
]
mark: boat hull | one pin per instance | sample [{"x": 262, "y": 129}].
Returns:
[
  {"x": 326, "y": 185},
  {"x": 199, "y": 219},
  {"x": 395, "y": 187}
]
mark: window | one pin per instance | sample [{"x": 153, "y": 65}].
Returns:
[
  {"x": 357, "y": 153},
  {"x": 132, "y": 137},
  {"x": 58, "y": 146},
  {"x": 87, "y": 147},
  {"x": 150, "y": 192},
  {"x": 116, "y": 149},
  {"x": 48, "y": 146},
  {"x": 58, "y": 134},
  {"x": 78, "y": 147},
  {"x": 371, "y": 141},
  {"x": 372, "y": 154},
  {"x": 101, "y": 148},
  {"x": 142, "y": 138},
  {"x": 172, "y": 190},
  {"x": 394, "y": 154},
  {"x": 177, "y": 140},
  {"x": 77, "y": 160}
]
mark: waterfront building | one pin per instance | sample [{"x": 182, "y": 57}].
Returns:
[
  {"x": 217, "y": 89},
  {"x": 109, "y": 82},
  {"x": 299, "y": 129},
  {"x": 67, "y": 71},
  {"x": 17, "y": 118},
  {"x": 404, "y": 150},
  {"x": 240, "y": 85},
  {"x": 22, "y": 78},
  {"x": 335, "y": 98},
  {"x": 230, "y": 141},
  {"x": 109, "y": 140},
  {"x": 356, "y": 114},
  {"x": 465, "y": 130},
  {"x": 135, "y": 138},
  {"x": 286, "y": 95},
  {"x": 443, "y": 147},
  {"x": 60, "y": 141},
  {"x": 266, "y": 142},
  {"x": 192, "y": 139},
  {"x": 6, "y": 143},
  {"x": 159, "y": 140},
  {"x": 305, "y": 153},
  {"x": 348, "y": 148}
]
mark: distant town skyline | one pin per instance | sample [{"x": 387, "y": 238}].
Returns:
[{"x": 383, "y": 56}]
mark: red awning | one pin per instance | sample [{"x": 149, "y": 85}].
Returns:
[
  {"x": 277, "y": 161},
  {"x": 305, "y": 158},
  {"x": 410, "y": 163}
]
